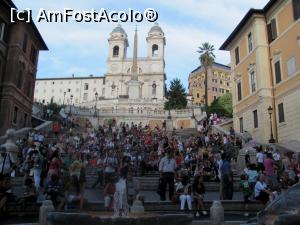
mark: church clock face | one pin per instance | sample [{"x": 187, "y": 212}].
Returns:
[
  {"x": 155, "y": 67},
  {"x": 114, "y": 67}
]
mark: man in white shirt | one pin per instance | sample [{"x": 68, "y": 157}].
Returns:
[
  {"x": 260, "y": 159},
  {"x": 167, "y": 168}
]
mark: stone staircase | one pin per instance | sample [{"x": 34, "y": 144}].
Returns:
[{"x": 149, "y": 182}]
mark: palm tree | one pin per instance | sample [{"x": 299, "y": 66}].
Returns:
[{"x": 207, "y": 59}]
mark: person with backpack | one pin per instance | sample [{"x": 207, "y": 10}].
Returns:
[{"x": 246, "y": 190}]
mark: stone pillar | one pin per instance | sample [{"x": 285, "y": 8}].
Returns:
[
  {"x": 193, "y": 123},
  {"x": 169, "y": 125},
  {"x": 217, "y": 213},
  {"x": 46, "y": 207},
  {"x": 137, "y": 207},
  {"x": 11, "y": 148},
  {"x": 241, "y": 164}
]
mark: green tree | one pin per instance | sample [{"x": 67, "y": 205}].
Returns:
[
  {"x": 176, "y": 96},
  {"x": 222, "y": 105},
  {"x": 54, "y": 107},
  {"x": 207, "y": 59}
]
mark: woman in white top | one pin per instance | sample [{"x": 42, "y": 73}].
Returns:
[{"x": 261, "y": 192}]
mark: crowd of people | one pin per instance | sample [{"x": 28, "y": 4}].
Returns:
[
  {"x": 57, "y": 165},
  {"x": 270, "y": 174}
]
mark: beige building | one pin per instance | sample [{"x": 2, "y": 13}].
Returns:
[
  {"x": 219, "y": 83},
  {"x": 265, "y": 60}
]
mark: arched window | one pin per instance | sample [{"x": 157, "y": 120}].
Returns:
[
  {"x": 154, "y": 50},
  {"x": 116, "y": 51}
]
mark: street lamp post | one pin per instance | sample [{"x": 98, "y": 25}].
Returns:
[
  {"x": 96, "y": 97},
  {"x": 169, "y": 110},
  {"x": 270, "y": 111},
  {"x": 71, "y": 97},
  {"x": 64, "y": 98},
  {"x": 193, "y": 113}
]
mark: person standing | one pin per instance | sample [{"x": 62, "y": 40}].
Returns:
[
  {"x": 167, "y": 168},
  {"x": 260, "y": 159},
  {"x": 100, "y": 167},
  {"x": 227, "y": 178},
  {"x": 110, "y": 166}
]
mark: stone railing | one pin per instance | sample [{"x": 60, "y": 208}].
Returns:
[
  {"x": 23, "y": 133},
  {"x": 135, "y": 112}
]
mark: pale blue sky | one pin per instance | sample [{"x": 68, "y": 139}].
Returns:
[{"x": 82, "y": 48}]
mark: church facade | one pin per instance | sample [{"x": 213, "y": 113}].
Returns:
[{"x": 130, "y": 83}]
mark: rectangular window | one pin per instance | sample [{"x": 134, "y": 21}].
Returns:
[
  {"x": 239, "y": 91},
  {"x": 25, "y": 120},
  {"x": 237, "y": 55},
  {"x": 272, "y": 30},
  {"x": 2, "y": 30},
  {"x": 241, "y": 125},
  {"x": 85, "y": 96},
  {"x": 198, "y": 95},
  {"x": 20, "y": 76},
  {"x": 15, "y": 117},
  {"x": 215, "y": 98},
  {"x": 277, "y": 72},
  {"x": 33, "y": 55},
  {"x": 86, "y": 87},
  {"x": 255, "y": 119},
  {"x": 253, "y": 81},
  {"x": 296, "y": 9},
  {"x": 280, "y": 113},
  {"x": 69, "y": 90},
  {"x": 250, "y": 42},
  {"x": 291, "y": 66},
  {"x": 25, "y": 40},
  {"x": 29, "y": 89}
]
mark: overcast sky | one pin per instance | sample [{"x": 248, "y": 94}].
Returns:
[{"x": 82, "y": 48}]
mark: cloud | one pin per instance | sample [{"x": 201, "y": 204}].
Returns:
[{"x": 82, "y": 48}]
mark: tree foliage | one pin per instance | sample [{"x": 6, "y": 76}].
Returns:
[
  {"x": 222, "y": 105},
  {"x": 207, "y": 59},
  {"x": 54, "y": 107},
  {"x": 176, "y": 96}
]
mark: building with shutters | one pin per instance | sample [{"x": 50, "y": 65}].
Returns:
[
  {"x": 219, "y": 83},
  {"x": 265, "y": 64}
]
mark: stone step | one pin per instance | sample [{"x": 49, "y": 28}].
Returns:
[{"x": 154, "y": 206}]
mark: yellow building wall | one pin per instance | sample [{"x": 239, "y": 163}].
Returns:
[
  {"x": 200, "y": 89},
  {"x": 183, "y": 124},
  {"x": 154, "y": 123},
  {"x": 287, "y": 91},
  {"x": 285, "y": 17}
]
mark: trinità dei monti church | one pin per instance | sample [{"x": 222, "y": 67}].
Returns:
[{"x": 131, "y": 84}]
